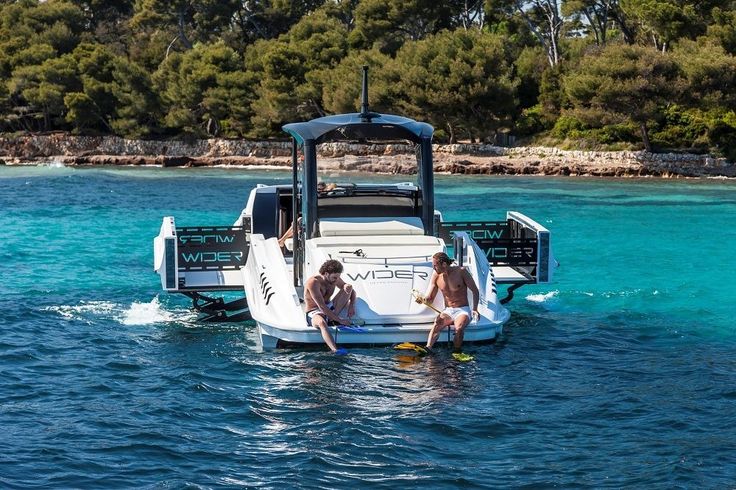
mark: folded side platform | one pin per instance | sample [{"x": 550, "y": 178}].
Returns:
[
  {"x": 202, "y": 258},
  {"x": 519, "y": 249}
]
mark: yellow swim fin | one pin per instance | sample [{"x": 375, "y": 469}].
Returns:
[{"x": 409, "y": 346}]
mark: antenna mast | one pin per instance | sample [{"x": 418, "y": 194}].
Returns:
[{"x": 365, "y": 114}]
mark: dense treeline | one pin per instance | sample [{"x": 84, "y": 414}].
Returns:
[{"x": 620, "y": 73}]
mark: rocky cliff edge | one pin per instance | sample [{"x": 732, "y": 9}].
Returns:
[{"x": 383, "y": 158}]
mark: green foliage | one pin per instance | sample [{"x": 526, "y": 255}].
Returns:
[
  {"x": 531, "y": 121},
  {"x": 697, "y": 129},
  {"x": 231, "y": 68},
  {"x": 665, "y": 21},
  {"x": 34, "y": 54},
  {"x": 710, "y": 72},
  {"x": 341, "y": 86},
  {"x": 290, "y": 70},
  {"x": 615, "y": 133},
  {"x": 204, "y": 91},
  {"x": 268, "y": 19},
  {"x": 389, "y": 23},
  {"x": 593, "y": 17},
  {"x": 722, "y": 134},
  {"x": 281, "y": 73},
  {"x": 137, "y": 108},
  {"x": 151, "y": 48},
  {"x": 43, "y": 88},
  {"x": 457, "y": 80},
  {"x": 723, "y": 28},
  {"x": 552, "y": 96},
  {"x": 624, "y": 84},
  {"x": 32, "y": 32},
  {"x": 440, "y": 136},
  {"x": 569, "y": 127},
  {"x": 530, "y": 66},
  {"x": 191, "y": 20},
  {"x": 99, "y": 12},
  {"x": 81, "y": 109}
]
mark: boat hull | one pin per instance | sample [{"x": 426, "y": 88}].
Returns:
[{"x": 272, "y": 337}]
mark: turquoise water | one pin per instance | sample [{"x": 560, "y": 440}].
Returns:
[{"x": 622, "y": 373}]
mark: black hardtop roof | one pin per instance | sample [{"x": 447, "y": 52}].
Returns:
[
  {"x": 356, "y": 126},
  {"x": 360, "y": 126}
]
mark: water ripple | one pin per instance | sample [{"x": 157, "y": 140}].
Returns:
[{"x": 619, "y": 375}]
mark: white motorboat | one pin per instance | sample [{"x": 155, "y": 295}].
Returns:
[{"x": 383, "y": 234}]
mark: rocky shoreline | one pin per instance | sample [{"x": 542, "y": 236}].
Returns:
[{"x": 390, "y": 158}]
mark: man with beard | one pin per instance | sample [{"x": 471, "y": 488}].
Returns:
[
  {"x": 322, "y": 308},
  {"x": 454, "y": 282}
]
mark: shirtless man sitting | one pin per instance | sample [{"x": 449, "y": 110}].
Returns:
[
  {"x": 322, "y": 188},
  {"x": 322, "y": 307},
  {"x": 289, "y": 233},
  {"x": 454, "y": 282}
]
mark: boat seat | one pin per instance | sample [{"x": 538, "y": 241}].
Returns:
[{"x": 363, "y": 226}]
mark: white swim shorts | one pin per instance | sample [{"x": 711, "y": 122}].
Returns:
[
  {"x": 317, "y": 311},
  {"x": 453, "y": 313}
]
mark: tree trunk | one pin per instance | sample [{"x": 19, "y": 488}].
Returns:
[
  {"x": 627, "y": 30},
  {"x": 182, "y": 35},
  {"x": 645, "y": 137},
  {"x": 549, "y": 39}
]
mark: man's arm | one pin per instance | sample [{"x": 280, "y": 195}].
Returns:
[
  {"x": 470, "y": 283},
  {"x": 352, "y": 295},
  {"x": 432, "y": 291},
  {"x": 348, "y": 288},
  {"x": 312, "y": 285},
  {"x": 287, "y": 234}
]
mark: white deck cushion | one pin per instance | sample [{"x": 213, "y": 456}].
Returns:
[{"x": 370, "y": 226}]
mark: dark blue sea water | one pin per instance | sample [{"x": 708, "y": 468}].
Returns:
[{"x": 622, "y": 373}]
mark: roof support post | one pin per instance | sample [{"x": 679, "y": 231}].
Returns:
[
  {"x": 298, "y": 254},
  {"x": 426, "y": 184},
  {"x": 309, "y": 189}
]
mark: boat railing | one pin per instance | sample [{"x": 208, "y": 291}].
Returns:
[{"x": 386, "y": 261}]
